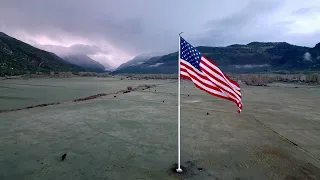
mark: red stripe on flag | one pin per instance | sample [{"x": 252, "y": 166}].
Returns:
[
  {"x": 201, "y": 78},
  {"x": 217, "y": 70},
  {"x": 221, "y": 84},
  {"x": 214, "y": 75},
  {"x": 206, "y": 81},
  {"x": 186, "y": 67},
  {"x": 185, "y": 77}
]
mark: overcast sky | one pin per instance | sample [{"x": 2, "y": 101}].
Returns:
[{"x": 113, "y": 32}]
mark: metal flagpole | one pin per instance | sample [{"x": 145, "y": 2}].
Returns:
[{"x": 179, "y": 168}]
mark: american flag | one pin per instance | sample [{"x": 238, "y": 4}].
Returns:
[{"x": 206, "y": 75}]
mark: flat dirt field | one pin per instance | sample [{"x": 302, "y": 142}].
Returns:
[{"x": 134, "y": 135}]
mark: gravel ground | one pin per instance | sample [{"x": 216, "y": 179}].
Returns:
[{"x": 134, "y": 136}]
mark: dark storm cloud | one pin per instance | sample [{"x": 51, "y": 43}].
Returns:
[
  {"x": 251, "y": 12},
  {"x": 134, "y": 26},
  {"x": 248, "y": 24},
  {"x": 121, "y": 29},
  {"x": 97, "y": 20}
]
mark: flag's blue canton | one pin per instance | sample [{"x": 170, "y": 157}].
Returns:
[{"x": 190, "y": 54}]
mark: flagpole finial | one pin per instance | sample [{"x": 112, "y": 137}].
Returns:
[{"x": 180, "y": 33}]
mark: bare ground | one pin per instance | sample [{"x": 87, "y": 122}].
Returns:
[{"x": 134, "y": 136}]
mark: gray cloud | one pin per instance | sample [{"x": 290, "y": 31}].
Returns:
[
  {"x": 86, "y": 49},
  {"x": 253, "y": 11},
  {"x": 74, "y": 49},
  {"x": 73, "y": 18},
  {"x": 117, "y": 30},
  {"x": 307, "y": 10},
  {"x": 307, "y": 56},
  {"x": 248, "y": 24},
  {"x": 302, "y": 11}
]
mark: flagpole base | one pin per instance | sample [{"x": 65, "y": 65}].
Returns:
[{"x": 179, "y": 170}]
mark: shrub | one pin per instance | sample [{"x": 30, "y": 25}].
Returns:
[
  {"x": 313, "y": 78},
  {"x": 257, "y": 80}
]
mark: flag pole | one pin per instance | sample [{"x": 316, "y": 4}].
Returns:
[{"x": 179, "y": 170}]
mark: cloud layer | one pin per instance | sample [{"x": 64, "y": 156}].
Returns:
[
  {"x": 74, "y": 49},
  {"x": 114, "y": 31}
]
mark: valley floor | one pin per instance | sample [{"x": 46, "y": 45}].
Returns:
[{"x": 134, "y": 135}]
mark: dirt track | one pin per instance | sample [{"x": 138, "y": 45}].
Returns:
[{"x": 75, "y": 100}]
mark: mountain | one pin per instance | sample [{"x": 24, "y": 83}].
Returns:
[
  {"x": 237, "y": 58},
  {"x": 85, "y": 62},
  {"x": 140, "y": 67},
  {"x": 136, "y": 61},
  {"x": 17, "y": 57}
]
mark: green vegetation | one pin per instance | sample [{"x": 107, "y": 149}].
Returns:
[
  {"x": 264, "y": 79},
  {"x": 313, "y": 78},
  {"x": 151, "y": 76}
]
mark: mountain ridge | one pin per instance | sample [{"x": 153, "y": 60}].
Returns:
[
  {"x": 17, "y": 57},
  {"x": 139, "y": 59},
  {"x": 84, "y": 61},
  {"x": 242, "y": 58}
]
